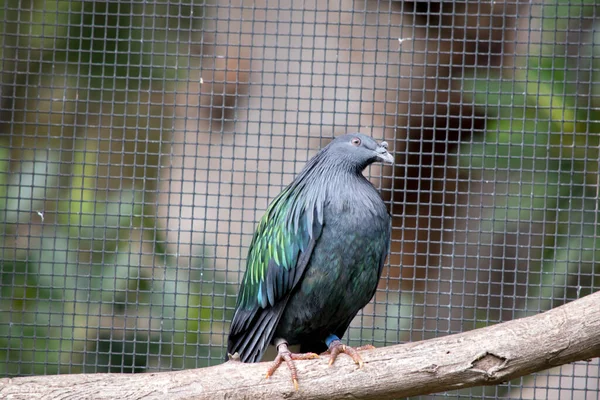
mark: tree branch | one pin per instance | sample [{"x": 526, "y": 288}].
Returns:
[{"x": 486, "y": 356}]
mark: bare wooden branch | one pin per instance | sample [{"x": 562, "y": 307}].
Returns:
[{"x": 485, "y": 356}]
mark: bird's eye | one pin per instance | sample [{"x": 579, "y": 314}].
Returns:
[{"x": 356, "y": 141}]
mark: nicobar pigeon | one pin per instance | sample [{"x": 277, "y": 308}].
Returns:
[{"x": 315, "y": 258}]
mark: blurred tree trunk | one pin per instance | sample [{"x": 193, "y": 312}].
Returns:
[{"x": 277, "y": 79}]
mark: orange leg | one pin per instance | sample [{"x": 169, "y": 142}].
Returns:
[
  {"x": 285, "y": 355},
  {"x": 336, "y": 347}
]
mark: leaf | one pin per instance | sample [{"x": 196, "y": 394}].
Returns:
[{"x": 28, "y": 188}]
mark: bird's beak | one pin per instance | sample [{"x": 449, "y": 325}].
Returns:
[{"x": 383, "y": 154}]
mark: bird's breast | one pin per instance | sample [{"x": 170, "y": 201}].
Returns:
[{"x": 342, "y": 273}]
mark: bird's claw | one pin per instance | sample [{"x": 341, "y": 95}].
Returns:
[
  {"x": 289, "y": 357},
  {"x": 337, "y": 347}
]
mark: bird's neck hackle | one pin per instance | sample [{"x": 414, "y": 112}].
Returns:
[
  {"x": 326, "y": 175},
  {"x": 331, "y": 169}
]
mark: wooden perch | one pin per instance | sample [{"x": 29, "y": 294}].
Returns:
[{"x": 486, "y": 356}]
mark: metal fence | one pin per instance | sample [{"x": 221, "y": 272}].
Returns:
[{"x": 140, "y": 142}]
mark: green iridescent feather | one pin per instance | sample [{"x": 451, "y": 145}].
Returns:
[{"x": 282, "y": 235}]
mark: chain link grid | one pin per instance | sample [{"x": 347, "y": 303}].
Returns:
[{"x": 142, "y": 141}]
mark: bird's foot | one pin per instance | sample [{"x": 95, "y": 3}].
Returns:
[
  {"x": 336, "y": 347},
  {"x": 365, "y": 347},
  {"x": 285, "y": 355},
  {"x": 361, "y": 348}
]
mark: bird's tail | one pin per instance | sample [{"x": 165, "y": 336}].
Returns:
[{"x": 252, "y": 331}]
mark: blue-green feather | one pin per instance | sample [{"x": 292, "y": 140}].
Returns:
[{"x": 283, "y": 233}]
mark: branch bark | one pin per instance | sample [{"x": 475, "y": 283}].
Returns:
[{"x": 486, "y": 356}]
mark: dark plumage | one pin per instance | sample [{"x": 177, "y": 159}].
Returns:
[{"x": 316, "y": 256}]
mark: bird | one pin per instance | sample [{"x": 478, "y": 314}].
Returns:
[{"x": 315, "y": 259}]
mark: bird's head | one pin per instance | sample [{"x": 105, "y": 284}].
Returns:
[{"x": 358, "y": 151}]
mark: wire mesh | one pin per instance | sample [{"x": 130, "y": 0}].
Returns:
[{"x": 142, "y": 141}]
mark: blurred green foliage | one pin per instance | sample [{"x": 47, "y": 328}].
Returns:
[
  {"x": 545, "y": 146},
  {"x": 86, "y": 281},
  {"x": 541, "y": 148}
]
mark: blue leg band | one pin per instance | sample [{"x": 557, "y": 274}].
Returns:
[{"x": 330, "y": 339}]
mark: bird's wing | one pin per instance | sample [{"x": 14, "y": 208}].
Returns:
[{"x": 279, "y": 253}]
